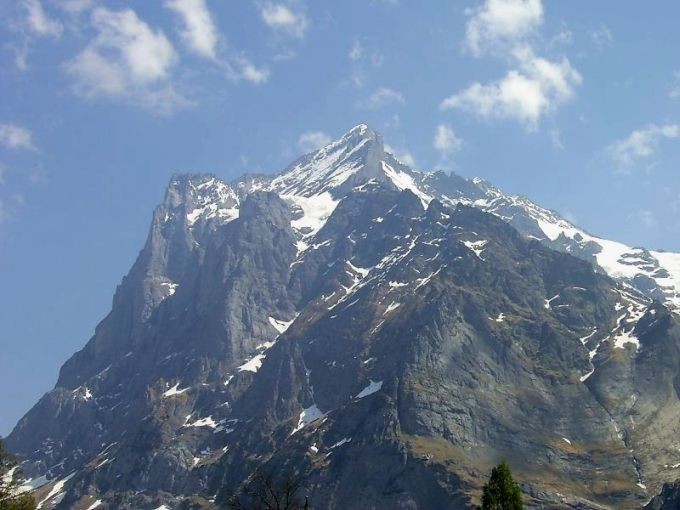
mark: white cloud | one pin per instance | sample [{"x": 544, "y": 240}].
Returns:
[
  {"x": 283, "y": 18},
  {"x": 16, "y": 137},
  {"x": 641, "y": 144},
  {"x": 646, "y": 217},
  {"x": 538, "y": 87},
  {"x": 250, "y": 72},
  {"x": 127, "y": 59},
  {"x": 446, "y": 141},
  {"x": 402, "y": 155},
  {"x": 556, "y": 139},
  {"x": 602, "y": 37},
  {"x": 38, "y": 20},
  {"x": 381, "y": 97},
  {"x": 75, "y": 6},
  {"x": 563, "y": 38},
  {"x": 356, "y": 52},
  {"x": 313, "y": 140},
  {"x": 675, "y": 90},
  {"x": 198, "y": 28},
  {"x": 199, "y": 32},
  {"x": 500, "y": 22}
]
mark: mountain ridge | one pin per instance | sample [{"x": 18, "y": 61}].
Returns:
[{"x": 420, "y": 322}]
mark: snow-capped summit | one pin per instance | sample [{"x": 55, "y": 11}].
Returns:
[
  {"x": 316, "y": 182},
  {"x": 350, "y": 160},
  {"x": 348, "y": 317}
]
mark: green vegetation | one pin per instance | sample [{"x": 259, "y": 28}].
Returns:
[
  {"x": 10, "y": 499},
  {"x": 501, "y": 492}
]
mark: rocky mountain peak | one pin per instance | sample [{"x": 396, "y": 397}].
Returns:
[{"x": 385, "y": 333}]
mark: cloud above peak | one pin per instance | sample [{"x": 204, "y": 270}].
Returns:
[
  {"x": 312, "y": 140},
  {"x": 641, "y": 144},
  {"x": 16, "y": 137},
  {"x": 198, "y": 28},
  {"x": 283, "y": 18},
  {"x": 382, "y": 97},
  {"x": 39, "y": 22},
  {"x": 533, "y": 86},
  {"x": 501, "y": 22},
  {"x": 127, "y": 58},
  {"x": 446, "y": 141},
  {"x": 525, "y": 94}
]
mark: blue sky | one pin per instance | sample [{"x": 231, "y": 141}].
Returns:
[{"x": 574, "y": 104}]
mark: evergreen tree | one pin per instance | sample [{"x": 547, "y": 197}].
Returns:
[
  {"x": 501, "y": 492},
  {"x": 10, "y": 499}
]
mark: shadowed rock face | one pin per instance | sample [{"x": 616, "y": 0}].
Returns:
[
  {"x": 669, "y": 499},
  {"x": 325, "y": 325}
]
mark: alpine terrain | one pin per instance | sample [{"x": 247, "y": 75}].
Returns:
[{"x": 380, "y": 335}]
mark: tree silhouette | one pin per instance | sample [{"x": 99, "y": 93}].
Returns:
[
  {"x": 501, "y": 492},
  {"x": 10, "y": 498},
  {"x": 263, "y": 492}
]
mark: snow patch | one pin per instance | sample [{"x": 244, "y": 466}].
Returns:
[
  {"x": 202, "y": 422},
  {"x": 403, "y": 181},
  {"x": 393, "y": 306},
  {"x": 174, "y": 391},
  {"x": 56, "y": 490},
  {"x": 280, "y": 326},
  {"x": 372, "y": 388},
  {"x": 315, "y": 211},
  {"x": 253, "y": 364},
  {"x": 307, "y": 416},
  {"x": 477, "y": 247},
  {"x": 548, "y": 302}
]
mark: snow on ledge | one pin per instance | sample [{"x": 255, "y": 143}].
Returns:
[
  {"x": 372, "y": 388},
  {"x": 253, "y": 364},
  {"x": 174, "y": 391},
  {"x": 280, "y": 326},
  {"x": 307, "y": 416}
]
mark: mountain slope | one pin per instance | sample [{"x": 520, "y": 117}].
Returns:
[{"x": 383, "y": 335}]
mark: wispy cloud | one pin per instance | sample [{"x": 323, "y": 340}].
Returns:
[
  {"x": 602, "y": 37},
  {"x": 446, "y": 141},
  {"x": 127, "y": 59},
  {"x": 285, "y": 19},
  {"x": 646, "y": 217},
  {"x": 313, "y": 140},
  {"x": 381, "y": 97},
  {"x": 201, "y": 35},
  {"x": 248, "y": 71},
  {"x": 556, "y": 139},
  {"x": 198, "y": 30},
  {"x": 498, "y": 23},
  {"x": 356, "y": 51},
  {"x": 16, "y": 137},
  {"x": 39, "y": 22},
  {"x": 75, "y": 6},
  {"x": 362, "y": 60},
  {"x": 641, "y": 144},
  {"x": 525, "y": 94},
  {"x": 402, "y": 155},
  {"x": 534, "y": 86},
  {"x": 675, "y": 89}
]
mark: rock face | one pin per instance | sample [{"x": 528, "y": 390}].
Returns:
[
  {"x": 381, "y": 335},
  {"x": 669, "y": 499}
]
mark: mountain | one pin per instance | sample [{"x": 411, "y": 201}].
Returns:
[{"x": 381, "y": 335}]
